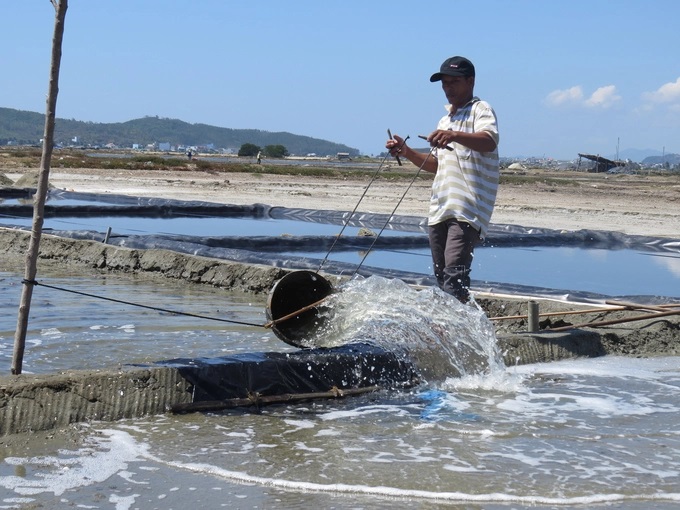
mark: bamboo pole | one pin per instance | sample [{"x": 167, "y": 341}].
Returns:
[
  {"x": 641, "y": 306},
  {"x": 553, "y": 314},
  {"x": 617, "y": 321},
  {"x": 60, "y": 7},
  {"x": 612, "y": 308},
  {"x": 257, "y": 399}
]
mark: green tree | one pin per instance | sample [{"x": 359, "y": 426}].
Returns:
[
  {"x": 248, "y": 149},
  {"x": 275, "y": 151}
]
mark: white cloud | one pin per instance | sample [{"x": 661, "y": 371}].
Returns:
[
  {"x": 666, "y": 93},
  {"x": 603, "y": 97},
  {"x": 671, "y": 264},
  {"x": 560, "y": 97}
]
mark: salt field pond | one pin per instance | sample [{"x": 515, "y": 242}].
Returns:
[
  {"x": 587, "y": 433},
  {"x": 612, "y": 272},
  {"x": 585, "y": 262},
  {"x": 576, "y": 434}
]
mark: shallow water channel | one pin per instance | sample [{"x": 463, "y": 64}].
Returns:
[
  {"x": 575, "y": 434},
  {"x": 571, "y": 434}
]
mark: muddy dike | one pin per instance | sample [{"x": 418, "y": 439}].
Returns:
[
  {"x": 31, "y": 403},
  {"x": 151, "y": 262}
]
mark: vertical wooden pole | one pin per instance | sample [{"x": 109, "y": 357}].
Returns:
[
  {"x": 60, "y": 7},
  {"x": 532, "y": 316}
]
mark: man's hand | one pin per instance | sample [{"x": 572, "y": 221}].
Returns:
[
  {"x": 441, "y": 138},
  {"x": 396, "y": 145}
]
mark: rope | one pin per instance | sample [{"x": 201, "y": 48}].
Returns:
[
  {"x": 291, "y": 315},
  {"x": 393, "y": 211},
  {"x": 155, "y": 308},
  {"x": 349, "y": 218}
]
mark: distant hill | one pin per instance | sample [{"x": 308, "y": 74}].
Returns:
[
  {"x": 636, "y": 155},
  {"x": 671, "y": 159},
  {"x": 25, "y": 128},
  {"x": 647, "y": 157}
]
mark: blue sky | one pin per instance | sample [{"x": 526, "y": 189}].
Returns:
[{"x": 563, "y": 76}]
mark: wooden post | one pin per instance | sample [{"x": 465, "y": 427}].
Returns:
[
  {"x": 532, "y": 316},
  {"x": 60, "y": 7}
]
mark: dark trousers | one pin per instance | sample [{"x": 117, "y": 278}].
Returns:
[{"x": 452, "y": 243}]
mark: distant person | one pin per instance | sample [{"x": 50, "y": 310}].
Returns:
[
  {"x": 190, "y": 154},
  {"x": 259, "y": 157},
  {"x": 466, "y": 176}
]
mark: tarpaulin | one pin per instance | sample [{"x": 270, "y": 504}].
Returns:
[
  {"x": 305, "y": 371},
  {"x": 270, "y": 250}
]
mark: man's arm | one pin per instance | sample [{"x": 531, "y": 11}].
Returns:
[{"x": 479, "y": 142}]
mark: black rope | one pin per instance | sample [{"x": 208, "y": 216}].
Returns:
[{"x": 155, "y": 308}]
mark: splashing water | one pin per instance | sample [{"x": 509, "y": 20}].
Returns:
[{"x": 441, "y": 336}]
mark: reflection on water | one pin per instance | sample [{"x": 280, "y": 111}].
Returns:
[
  {"x": 607, "y": 272},
  {"x": 62, "y": 326},
  {"x": 623, "y": 272},
  {"x": 197, "y": 225}
]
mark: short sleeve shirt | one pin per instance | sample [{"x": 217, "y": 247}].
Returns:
[{"x": 466, "y": 182}]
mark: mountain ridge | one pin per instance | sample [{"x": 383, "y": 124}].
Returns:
[{"x": 25, "y": 127}]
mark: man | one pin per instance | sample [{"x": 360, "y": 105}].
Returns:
[{"x": 466, "y": 172}]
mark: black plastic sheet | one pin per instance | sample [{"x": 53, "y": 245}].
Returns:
[
  {"x": 306, "y": 371},
  {"x": 268, "y": 250}
]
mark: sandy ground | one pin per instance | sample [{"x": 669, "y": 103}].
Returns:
[{"x": 641, "y": 205}]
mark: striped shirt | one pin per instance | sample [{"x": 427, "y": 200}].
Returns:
[{"x": 466, "y": 181}]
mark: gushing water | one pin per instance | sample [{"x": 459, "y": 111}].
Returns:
[{"x": 441, "y": 336}]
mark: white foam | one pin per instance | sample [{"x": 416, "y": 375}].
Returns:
[
  {"x": 328, "y": 432},
  {"x": 123, "y": 502},
  {"x": 111, "y": 453},
  {"x": 651, "y": 369},
  {"x": 346, "y": 414},
  {"x": 51, "y": 332},
  {"x": 393, "y": 492},
  {"x": 127, "y": 328},
  {"x": 505, "y": 381},
  {"x": 303, "y": 447},
  {"x": 299, "y": 424},
  {"x": 579, "y": 391},
  {"x": 105, "y": 457}
]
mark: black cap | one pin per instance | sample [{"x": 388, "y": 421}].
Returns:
[{"x": 454, "y": 66}]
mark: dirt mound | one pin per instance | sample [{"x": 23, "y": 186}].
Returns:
[{"x": 29, "y": 180}]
